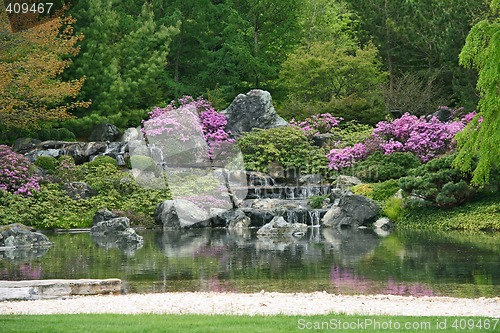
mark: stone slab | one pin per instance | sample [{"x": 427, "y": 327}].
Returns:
[{"x": 46, "y": 289}]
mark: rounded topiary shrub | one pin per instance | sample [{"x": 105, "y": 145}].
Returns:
[
  {"x": 100, "y": 160},
  {"x": 144, "y": 163},
  {"x": 47, "y": 163}
]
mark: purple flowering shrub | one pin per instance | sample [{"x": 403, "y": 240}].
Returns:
[
  {"x": 15, "y": 173},
  {"x": 196, "y": 116},
  {"x": 317, "y": 124},
  {"x": 425, "y": 138}
]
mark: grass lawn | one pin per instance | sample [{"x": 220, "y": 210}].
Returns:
[{"x": 103, "y": 323}]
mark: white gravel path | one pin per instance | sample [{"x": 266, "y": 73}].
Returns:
[{"x": 264, "y": 303}]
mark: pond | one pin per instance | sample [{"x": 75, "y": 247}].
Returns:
[{"x": 341, "y": 262}]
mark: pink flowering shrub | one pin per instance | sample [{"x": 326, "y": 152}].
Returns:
[
  {"x": 317, "y": 124},
  {"x": 15, "y": 175},
  {"x": 426, "y": 139},
  {"x": 343, "y": 158},
  {"x": 196, "y": 115}
]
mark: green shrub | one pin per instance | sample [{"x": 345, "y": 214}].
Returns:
[
  {"x": 480, "y": 213},
  {"x": 107, "y": 177},
  {"x": 363, "y": 189},
  {"x": 58, "y": 134},
  {"x": 352, "y": 132},
  {"x": 438, "y": 183},
  {"x": 48, "y": 208},
  {"x": 52, "y": 208},
  {"x": 144, "y": 163},
  {"x": 100, "y": 160},
  {"x": 394, "y": 209},
  {"x": 380, "y": 167},
  {"x": 66, "y": 169},
  {"x": 285, "y": 146},
  {"x": 383, "y": 191},
  {"x": 316, "y": 202},
  {"x": 47, "y": 163}
]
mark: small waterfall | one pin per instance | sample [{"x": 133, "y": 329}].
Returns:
[
  {"x": 314, "y": 217},
  {"x": 291, "y": 216},
  {"x": 258, "y": 192}
]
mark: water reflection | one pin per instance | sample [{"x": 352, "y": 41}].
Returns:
[{"x": 346, "y": 262}]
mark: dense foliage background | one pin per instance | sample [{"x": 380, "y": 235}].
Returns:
[{"x": 369, "y": 74}]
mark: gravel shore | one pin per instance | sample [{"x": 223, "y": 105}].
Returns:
[{"x": 264, "y": 303}]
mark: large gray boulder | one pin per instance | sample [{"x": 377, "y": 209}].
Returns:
[
  {"x": 105, "y": 132},
  {"x": 19, "y": 236},
  {"x": 231, "y": 219},
  {"x": 350, "y": 210},
  {"x": 114, "y": 232},
  {"x": 253, "y": 110},
  {"x": 278, "y": 227},
  {"x": 181, "y": 214},
  {"x": 25, "y": 144},
  {"x": 344, "y": 182}
]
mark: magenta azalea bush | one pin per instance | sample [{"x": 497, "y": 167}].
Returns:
[
  {"x": 426, "y": 138},
  {"x": 15, "y": 175},
  {"x": 317, "y": 124},
  {"x": 196, "y": 115}
]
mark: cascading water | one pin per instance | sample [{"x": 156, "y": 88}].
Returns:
[{"x": 292, "y": 200}]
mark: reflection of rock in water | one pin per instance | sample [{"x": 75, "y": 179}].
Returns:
[
  {"x": 275, "y": 243},
  {"x": 180, "y": 243},
  {"x": 351, "y": 245},
  {"x": 118, "y": 241},
  {"x": 23, "y": 253}
]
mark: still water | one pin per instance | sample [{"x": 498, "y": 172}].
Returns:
[{"x": 341, "y": 262}]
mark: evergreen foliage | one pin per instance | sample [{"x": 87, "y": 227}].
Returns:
[
  {"x": 438, "y": 183},
  {"x": 47, "y": 163}
]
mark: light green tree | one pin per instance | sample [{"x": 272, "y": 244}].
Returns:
[
  {"x": 480, "y": 141},
  {"x": 332, "y": 71}
]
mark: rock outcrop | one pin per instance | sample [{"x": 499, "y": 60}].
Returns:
[
  {"x": 181, "y": 214},
  {"x": 350, "y": 210},
  {"x": 231, "y": 219},
  {"x": 278, "y": 227},
  {"x": 19, "y": 242},
  {"x": 20, "y": 236},
  {"x": 105, "y": 132},
  {"x": 109, "y": 231},
  {"x": 253, "y": 110},
  {"x": 79, "y": 190}
]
